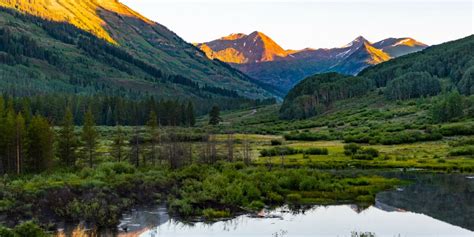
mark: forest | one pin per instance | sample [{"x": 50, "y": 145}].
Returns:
[{"x": 444, "y": 68}]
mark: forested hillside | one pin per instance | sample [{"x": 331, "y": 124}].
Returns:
[
  {"x": 446, "y": 68},
  {"x": 39, "y": 57}
]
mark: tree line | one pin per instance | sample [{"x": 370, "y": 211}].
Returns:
[
  {"x": 31, "y": 144},
  {"x": 107, "y": 110}
]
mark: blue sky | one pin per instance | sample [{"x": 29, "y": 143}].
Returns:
[{"x": 313, "y": 23}]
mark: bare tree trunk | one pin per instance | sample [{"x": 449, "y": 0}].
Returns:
[{"x": 230, "y": 148}]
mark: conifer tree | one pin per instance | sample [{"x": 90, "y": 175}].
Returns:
[
  {"x": 214, "y": 116},
  {"x": 190, "y": 114},
  {"x": 39, "y": 145},
  {"x": 119, "y": 144},
  {"x": 89, "y": 136},
  {"x": 68, "y": 143}
]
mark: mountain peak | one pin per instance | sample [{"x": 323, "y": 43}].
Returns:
[
  {"x": 357, "y": 42},
  {"x": 241, "y": 48}
]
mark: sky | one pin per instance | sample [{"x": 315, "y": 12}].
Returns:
[{"x": 298, "y": 24}]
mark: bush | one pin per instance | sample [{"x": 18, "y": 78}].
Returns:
[
  {"x": 293, "y": 198},
  {"x": 457, "y": 129},
  {"x": 409, "y": 137},
  {"x": 276, "y": 142},
  {"x": 215, "y": 214},
  {"x": 351, "y": 149},
  {"x": 370, "y": 151},
  {"x": 257, "y": 205},
  {"x": 462, "y": 151},
  {"x": 277, "y": 151}
]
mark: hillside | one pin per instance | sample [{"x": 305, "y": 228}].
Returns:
[
  {"x": 262, "y": 58},
  {"x": 113, "y": 29},
  {"x": 435, "y": 70}
]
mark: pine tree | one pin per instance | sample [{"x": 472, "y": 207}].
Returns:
[
  {"x": 214, "y": 116},
  {"x": 190, "y": 114},
  {"x": 89, "y": 136},
  {"x": 119, "y": 144},
  {"x": 39, "y": 145},
  {"x": 68, "y": 142}
]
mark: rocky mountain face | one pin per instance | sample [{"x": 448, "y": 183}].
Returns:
[{"x": 260, "y": 57}]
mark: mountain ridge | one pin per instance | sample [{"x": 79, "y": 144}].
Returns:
[{"x": 286, "y": 67}]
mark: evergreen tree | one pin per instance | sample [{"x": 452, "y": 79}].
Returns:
[
  {"x": 190, "y": 114},
  {"x": 39, "y": 145},
  {"x": 68, "y": 142},
  {"x": 89, "y": 136},
  {"x": 119, "y": 144},
  {"x": 214, "y": 116}
]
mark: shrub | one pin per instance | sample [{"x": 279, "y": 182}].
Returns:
[
  {"x": 215, "y": 214},
  {"x": 293, "y": 198},
  {"x": 256, "y": 205},
  {"x": 276, "y": 142},
  {"x": 316, "y": 151},
  {"x": 409, "y": 137},
  {"x": 462, "y": 151},
  {"x": 29, "y": 229},
  {"x": 351, "y": 149},
  {"x": 371, "y": 152},
  {"x": 457, "y": 129},
  {"x": 277, "y": 151}
]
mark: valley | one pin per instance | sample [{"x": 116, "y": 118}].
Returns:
[{"x": 113, "y": 125}]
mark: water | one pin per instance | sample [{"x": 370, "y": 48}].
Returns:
[
  {"x": 343, "y": 220},
  {"x": 434, "y": 205}
]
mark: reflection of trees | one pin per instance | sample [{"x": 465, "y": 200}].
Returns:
[{"x": 449, "y": 198}]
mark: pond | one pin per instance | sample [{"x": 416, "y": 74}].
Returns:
[{"x": 434, "y": 205}]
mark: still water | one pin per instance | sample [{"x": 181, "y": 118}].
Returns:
[{"x": 434, "y": 205}]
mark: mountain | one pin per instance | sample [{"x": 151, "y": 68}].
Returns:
[
  {"x": 260, "y": 57},
  {"x": 242, "y": 48},
  {"x": 418, "y": 75},
  {"x": 108, "y": 45},
  {"x": 397, "y": 47}
]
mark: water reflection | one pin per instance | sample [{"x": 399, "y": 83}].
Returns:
[
  {"x": 331, "y": 221},
  {"x": 445, "y": 197},
  {"x": 435, "y": 205},
  {"x": 132, "y": 224}
]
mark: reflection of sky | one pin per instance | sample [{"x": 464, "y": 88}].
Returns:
[
  {"x": 321, "y": 221},
  {"x": 296, "y": 24}
]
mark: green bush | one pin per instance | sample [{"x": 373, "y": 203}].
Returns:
[
  {"x": 316, "y": 151},
  {"x": 275, "y": 142},
  {"x": 462, "y": 151},
  {"x": 211, "y": 214},
  {"x": 277, "y": 151},
  {"x": 294, "y": 198},
  {"x": 457, "y": 129},
  {"x": 351, "y": 149}
]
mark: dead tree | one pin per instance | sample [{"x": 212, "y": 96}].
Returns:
[
  {"x": 247, "y": 153},
  {"x": 230, "y": 148}
]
